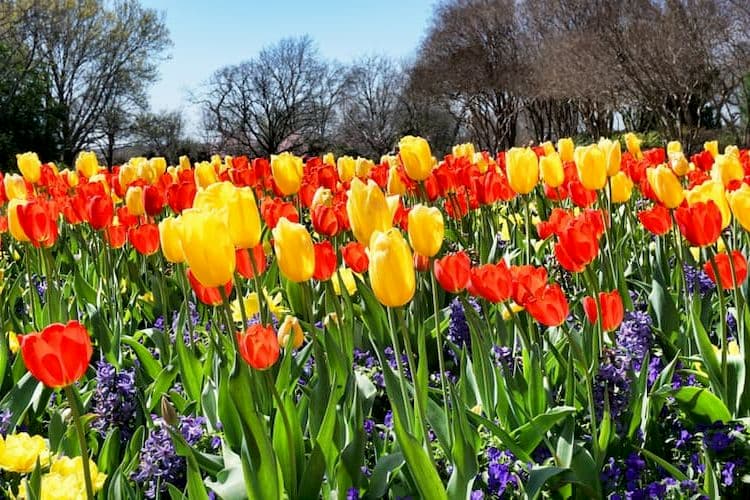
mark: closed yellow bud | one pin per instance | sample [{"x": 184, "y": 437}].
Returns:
[
  {"x": 712, "y": 147},
  {"x": 30, "y": 166},
  {"x": 674, "y": 147},
  {"x": 13, "y": 343},
  {"x": 127, "y": 174},
  {"x": 173, "y": 172},
  {"x": 322, "y": 196},
  {"x": 71, "y": 176},
  {"x": 294, "y": 250},
  {"x": 592, "y": 167},
  {"x": 14, "y": 225},
  {"x": 286, "y": 169},
  {"x": 391, "y": 160},
  {"x": 170, "y": 239},
  {"x": 185, "y": 163},
  {"x": 739, "y": 201},
  {"x": 391, "y": 268},
  {"x": 159, "y": 164},
  {"x": 15, "y": 187},
  {"x": 732, "y": 150},
  {"x": 362, "y": 167},
  {"x": 135, "y": 200},
  {"x": 622, "y": 188},
  {"x": 612, "y": 155},
  {"x": 329, "y": 159},
  {"x": 552, "y": 170},
  {"x": 290, "y": 329},
  {"x": 679, "y": 163},
  {"x": 87, "y": 164},
  {"x": 368, "y": 210},
  {"x": 522, "y": 167},
  {"x": 207, "y": 247},
  {"x": 714, "y": 191},
  {"x": 666, "y": 186},
  {"x": 345, "y": 166},
  {"x": 239, "y": 209},
  {"x": 426, "y": 230},
  {"x": 416, "y": 157},
  {"x": 727, "y": 168},
  {"x": 347, "y": 276},
  {"x": 465, "y": 150},
  {"x": 483, "y": 162},
  {"x": 633, "y": 143},
  {"x": 548, "y": 147},
  {"x": 227, "y": 164},
  {"x": 395, "y": 183},
  {"x": 565, "y": 148},
  {"x": 205, "y": 174}
]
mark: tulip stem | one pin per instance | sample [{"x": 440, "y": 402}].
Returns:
[
  {"x": 287, "y": 427},
  {"x": 722, "y": 320},
  {"x": 527, "y": 215},
  {"x": 400, "y": 367},
  {"x": 258, "y": 290},
  {"x": 439, "y": 340},
  {"x": 73, "y": 400}
]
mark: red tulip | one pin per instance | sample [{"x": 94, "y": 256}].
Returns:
[
  {"x": 578, "y": 245},
  {"x": 245, "y": 265},
  {"x": 181, "y": 195},
  {"x": 116, "y": 235},
  {"x": 355, "y": 257},
  {"x": 700, "y": 223},
  {"x": 656, "y": 220},
  {"x": 153, "y": 199},
  {"x": 549, "y": 306},
  {"x": 58, "y": 355},
  {"x": 492, "y": 282},
  {"x": 527, "y": 281},
  {"x": 273, "y": 209},
  {"x": 325, "y": 261},
  {"x": 421, "y": 262},
  {"x": 611, "y": 306},
  {"x": 558, "y": 219},
  {"x": 725, "y": 269},
  {"x": 208, "y": 295},
  {"x": 145, "y": 238},
  {"x": 452, "y": 271},
  {"x": 259, "y": 346},
  {"x": 324, "y": 220},
  {"x": 581, "y": 196},
  {"x": 99, "y": 211},
  {"x": 38, "y": 221}
]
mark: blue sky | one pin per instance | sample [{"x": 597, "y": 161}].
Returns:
[{"x": 210, "y": 35}]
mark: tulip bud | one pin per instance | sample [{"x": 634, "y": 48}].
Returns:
[
  {"x": 208, "y": 247},
  {"x": 345, "y": 166},
  {"x": 633, "y": 144},
  {"x": 362, "y": 167},
  {"x": 565, "y": 148},
  {"x": 592, "y": 167},
  {"x": 185, "y": 163},
  {"x": 87, "y": 163},
  {"x": 426, "y": 230},
  {"x": 552, "y": 170},
  {"x": 622, "y": 187},
  {"x": 522, "y": 167},
  {"x": 416, "y": 157},
  {"x": 135, "y": 201},
  {"x": 169, "y": 237},
  {"x": 465, "y": 150},
  {"x": 612, "y": 155},
  {"x": 168, "y": 413},
  {"x": 674, "y": 147},
  {"x": 712, "y": 147},
  {"x": 286, "y": 169},
  {"x": 14, "y": 223},
  {"x": 205, "y": 174},
  {"x": 127, "y": 174},
  {"x": 369, "y": 210},
  {"x": 739, "y": 201},
  {"x": 294, "y": 250},
  {"x": 30, "y": 166},
  {"x": 666, "y": 186},
  {"x": 159, "y": 164},
  {"x": 15, "y": 187},
  {"x": 395, "y": 183},
  {"x": 290, "y": 329},
  {"x": 329, "y": 159},
  {"x": 679, "y": 163},
  {"x": 391, "y": 268},
  {"x": 727, "y": 168}
]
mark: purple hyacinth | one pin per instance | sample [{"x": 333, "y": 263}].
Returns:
[
  {"x": 160, "y": 463},
  {"x": 114, "y": 400},
  {"x": 500, "y": 474},
  {"x": 4, "y": 421},
  {"x": 194, "y": 319},
  {"x": 635, "y": 336},
  {"x": 698, "y": 281},
  {"x": 458, "y": 328}
]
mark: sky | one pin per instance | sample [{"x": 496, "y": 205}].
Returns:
[{"x": 209, "y": 35}]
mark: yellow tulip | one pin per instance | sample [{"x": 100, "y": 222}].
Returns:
[
  {"x": 13, "y": 343},
  {"x": 345, "y": 166},
  {"x": 294, "y": 250},
  {"x": 679, "y": 163},
  {"x": 522, "y": 167},
  {"x": 135, "y": 200},
  {"x": 322, "y": 196},
  {"x": 395, "y": 183},
  {"x": 416, "y": 157},
  {"x": 347, "y": 276},
  {"x": 591, "y": 165},
  {"x": 549, "y": 148},
  {"x": 666, "y": 186},
  {"x": 207, "y": 247},
  {"x": 565, "y": 148},
  {"x": 633, "y": 143},
  {"x": 251, "y": 305},
  {"x": 290, "y": 328},
  {"x": 711, "y": 190},
  {"x": 612, "y": 155},
  {"x": 170, "y": 239},
  {"x": 286, "y": 169},
  {"x": 239, "y": 209},
  {"x": 30, "y": 166},
  {"x": 465, "y": 150},
  {"x": 329, "y": 159},
  {"x": 205, "y": 174},
  {"x": 87, "y": 163},
  {"x": 426, "y": 230},
  {"x": 482, "y": 162},
  {"x": 727, "y": 168},
  {"x": 127, "y": 174},
  {"x": 622, "y": 187},
  {"x": 362, "y": 167},
  {"x": 732, "y": 150},
  {"x": 19, "y": 452},
  {"x": 552, "y": 170},
  {"x": 739, "y": 201},
  {"x": 368, "y": 210},
  {"x": 514, "y": 308},
  {"x": 185, "y": 163},
  {"x": 391, "y": 268},
  {"x": 674, "y": 147},
  {"x": 159, "y": 164},
  {"x": 391, "y": 160},
  {"x": 71, "y": 176},
  {"x": 14, "y": 225},
  {"x": 15, "y": 187},
  {"x": 712, "y": 147}
]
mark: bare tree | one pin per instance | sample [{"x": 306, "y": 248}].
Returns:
[
  {"x": 93, "y": 53},
  {"x": 279, "y": 100},
  {"x": 160, "y": 134}
]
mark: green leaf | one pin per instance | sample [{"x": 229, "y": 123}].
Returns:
[
  {"x": 701, "y": 405},
  {"x": 109, "y": 456},
  {"x": 190, "y": 369},
  {"x": 530, "y": 434},
  {"x": 667, "y": 466},
  {"x": 147, "y": 361},
  {"x": 565, "y": 443},
  {"x": 424, "y": 474},
  {"x": 230, "y": 483},
  {"x": 706, "y": 349},
  {"x": 667, "y": 316},
  {"x": 538, "y": 477}
]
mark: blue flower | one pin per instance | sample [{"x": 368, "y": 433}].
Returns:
[{"x": 114, "y": 400}]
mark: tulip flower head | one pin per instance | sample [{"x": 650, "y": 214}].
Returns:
[{"x": 58, "y": 355}]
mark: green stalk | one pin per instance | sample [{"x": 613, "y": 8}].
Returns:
[{"x": 70, "y": 394}]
